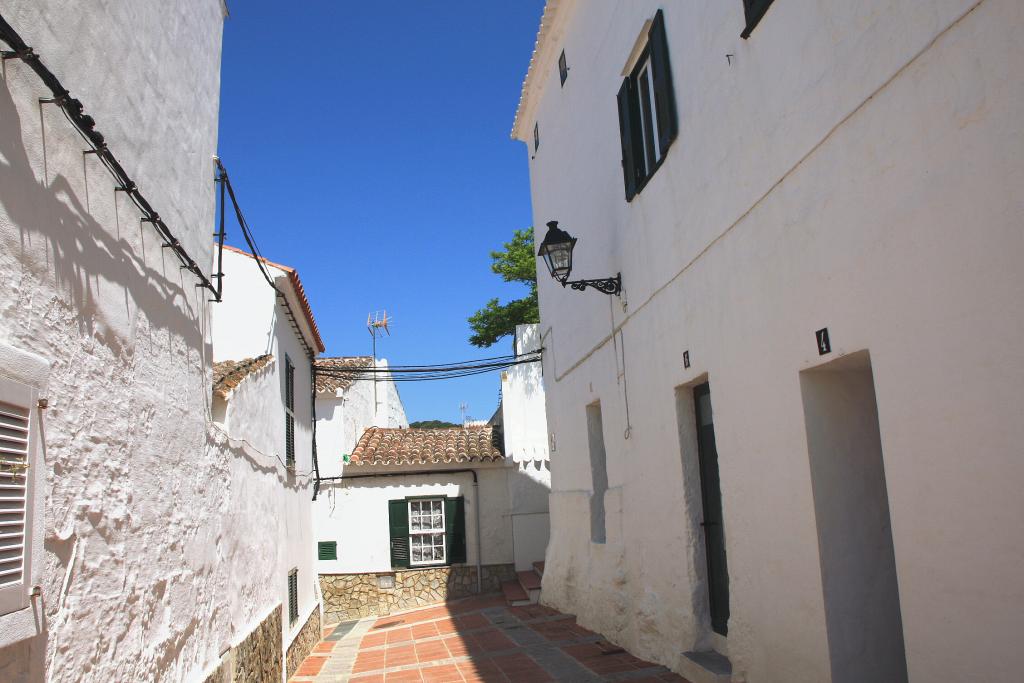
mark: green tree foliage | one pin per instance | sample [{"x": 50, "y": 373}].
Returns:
[
  {"x": 431, "y": 424},
  {"x": 516, "y": 263}
]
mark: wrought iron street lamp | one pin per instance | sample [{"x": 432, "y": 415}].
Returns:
[{"x": 556, "y": 249}]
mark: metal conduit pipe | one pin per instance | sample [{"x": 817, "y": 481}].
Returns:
[{"x": 476, "y": 505}]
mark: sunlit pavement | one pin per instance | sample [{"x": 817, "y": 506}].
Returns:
[{"x": 476, "y": 639}]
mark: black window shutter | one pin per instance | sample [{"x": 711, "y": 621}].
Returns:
[
  {"x": 398, "y": 524},
  {"x": 664, "y": 94},
  {"x": 455, "y": 522},
  {"x": 289, "y": 439},
  {"x": 629, "y": 132},
  {"x": 754, "y": 10}
]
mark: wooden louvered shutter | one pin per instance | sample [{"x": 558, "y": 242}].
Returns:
[
  {"x": 327, "y": 550},
  {"x": 293, "y": 596},
  {"x": 16, "y": 449},
  {"x": 455, "y": 519},
  {"x": 664, "y": 94},
  {"x": 398, "y": 524},
  {"x": 289, "y": 404},
  {"x": 632, "y": 143}
]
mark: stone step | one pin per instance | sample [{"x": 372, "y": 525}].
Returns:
[
  {"x": 706, "y": 667},
  {"x": 515, "y": 595},
  {"x": 529, "y": 580},
  {"x": 539, "y": 568}
]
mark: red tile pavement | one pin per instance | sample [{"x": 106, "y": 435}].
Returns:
[{"x": 478, "y": 639}]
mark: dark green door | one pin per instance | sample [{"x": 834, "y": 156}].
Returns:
[{"x": 711, "y": 498}]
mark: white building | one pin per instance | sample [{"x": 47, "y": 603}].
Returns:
[
  {"x": 265, "y": 340},
  {"x": 141, "y": 548},
  {"x": 818, "y": 232},
  {"x": 525, "y": 431},
  {"x": 488, "y": 484}
]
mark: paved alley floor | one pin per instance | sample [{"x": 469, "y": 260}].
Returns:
[{"x": 475, "y": 639}]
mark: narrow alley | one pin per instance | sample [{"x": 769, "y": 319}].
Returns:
[{"x": 473, "y": 639}]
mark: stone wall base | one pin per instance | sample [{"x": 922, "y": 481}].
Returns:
[
  {"x": 351, "y": 596},
  {"x": 304, "y": 642},
  {"x": 257, "y": 659}
]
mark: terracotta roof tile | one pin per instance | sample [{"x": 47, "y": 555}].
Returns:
[
  {"x": 228, "y": 374},
  {"x": 331, "y": 384},
  {"x": 390, "y": 446}
]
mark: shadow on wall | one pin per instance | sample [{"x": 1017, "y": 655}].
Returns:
[{"x": 81, "y": 248}]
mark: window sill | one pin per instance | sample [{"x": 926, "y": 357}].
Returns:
[{"x": 19, "y": 625}]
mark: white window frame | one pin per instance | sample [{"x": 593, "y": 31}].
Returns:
[
  {"x": 16, "y": 398},
  {"x": 442, "y": 532},
  {"x": 648, "y": 135},
  {"x": 24, "y": 377}
]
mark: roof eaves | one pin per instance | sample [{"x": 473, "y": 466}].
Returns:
[
  {"x": 300, "y": 294},
  {"x": 548, "y": 38}
]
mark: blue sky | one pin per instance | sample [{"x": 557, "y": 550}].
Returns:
[{"x": 370, "y": 150}]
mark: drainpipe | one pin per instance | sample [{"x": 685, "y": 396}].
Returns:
[{"x": 434, "y": 473}]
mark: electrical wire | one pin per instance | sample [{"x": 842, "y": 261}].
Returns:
[{"x": 426, "y": 373}]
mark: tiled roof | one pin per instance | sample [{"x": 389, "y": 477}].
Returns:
[
  {"x": 332, "y": 384},
  {"x": 389, "y": 446},
  {"x": 300, "y": 292},
  {"x": 228, "y": 374}
]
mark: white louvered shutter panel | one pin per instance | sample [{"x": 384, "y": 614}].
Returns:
[{"x": 16, "y": 448}]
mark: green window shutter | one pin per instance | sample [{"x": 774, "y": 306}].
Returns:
[
  {"x": 629, "y": 132},
  {"x": 664, "y": 94},
  {"x": 327, "y": 550},
  {"x": 455, "y": 522},
  {"x": 293, "y": 596},
  {"x": 398, "y": 525}
]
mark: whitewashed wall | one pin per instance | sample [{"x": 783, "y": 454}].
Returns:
[
  {"x": 526, "y": 446},
  {"x": 248, "y": 324},
  {"x": 855, "y": 166},
  {"x": 355, "y": 514},
  {"x": 133, "y": 586},
  {"x": 343, "y": 415}
]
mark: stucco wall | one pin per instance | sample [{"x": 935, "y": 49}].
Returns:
[
  {"x": 855, "y": 166},
  {"x": 525, "y": 430}
]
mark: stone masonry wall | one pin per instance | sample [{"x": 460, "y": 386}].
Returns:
[
  {"x": 257, "y": 659},
  {"x": 303, "y": 644},
  {"x": 351, "y": 596}
]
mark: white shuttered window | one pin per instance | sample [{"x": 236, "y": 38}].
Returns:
[{"x": 17, "y": 436}]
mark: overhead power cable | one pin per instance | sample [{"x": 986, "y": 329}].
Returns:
[
  {"x": 85, "y": 125},
  {"x": 426, "y": 373}
]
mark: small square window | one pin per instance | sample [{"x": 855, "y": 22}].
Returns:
[{"x": 563, "y": 68}]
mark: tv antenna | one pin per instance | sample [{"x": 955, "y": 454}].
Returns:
[
  {"x": 463, "y": 407},
  {"x": 377, "y": 325}
]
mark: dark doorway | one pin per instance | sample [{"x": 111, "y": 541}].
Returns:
[
  {"x": 711, "y": 501},
  {"x": 851, "y": 505}
]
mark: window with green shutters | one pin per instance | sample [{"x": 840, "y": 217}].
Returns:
[
  {"x": 327, "y": 550},
  {"x": 647, "y": 111},
  {"x": 427, "y": 532},
  {"x": 289, "y": 410},
  {"x": 293, "y": 596}
]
